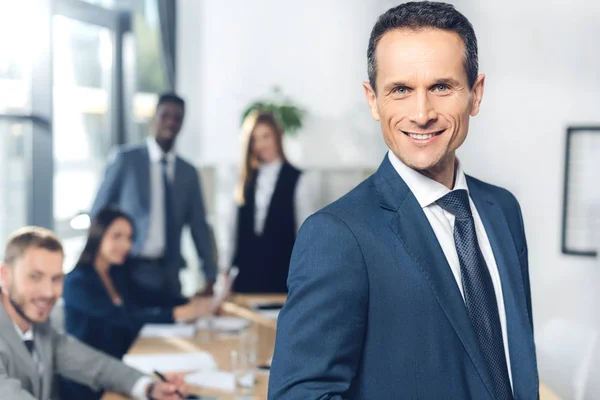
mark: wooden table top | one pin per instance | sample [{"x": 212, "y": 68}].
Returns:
[{"x": 220, "y": 347}]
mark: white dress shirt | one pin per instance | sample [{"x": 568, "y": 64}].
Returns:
[
  {"x": 154, "y": 246},
  {"x": 138, "y": 391},
  {"x": 268, "y": 174},
  {"x": 265, "y": 186},
  {"x": 427, "y": 192}
]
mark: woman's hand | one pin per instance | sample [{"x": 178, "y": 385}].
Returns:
[{"x": 197, "y": 307}]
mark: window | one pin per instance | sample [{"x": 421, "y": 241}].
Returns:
[
  {"x": 13, "y": 178},
  {"x": 150, "y": 75}
]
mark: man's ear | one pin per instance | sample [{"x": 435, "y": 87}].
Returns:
[
  {"x": 477, "y": 90},
  {"x": 6, "y": 275},
  {"x": 372, "y": 100}
]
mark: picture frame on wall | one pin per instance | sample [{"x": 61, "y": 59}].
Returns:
[{"x": 581, "y": 203}]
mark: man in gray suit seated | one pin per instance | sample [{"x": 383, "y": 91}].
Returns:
[
  {"x": 32, "y": 353},
  {"x": 161, "y": 192}
]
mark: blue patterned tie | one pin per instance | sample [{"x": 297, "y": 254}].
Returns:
[
  {"x": 478, "y": 290},
  {"x": 169, "y": 252}
]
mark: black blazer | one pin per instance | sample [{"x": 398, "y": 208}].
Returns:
[{"x": 92, "y": 317}]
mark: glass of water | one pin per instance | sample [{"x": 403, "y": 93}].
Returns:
[{"x": 243, "y": 363}]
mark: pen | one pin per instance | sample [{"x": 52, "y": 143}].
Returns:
[{"x": 162, "y": 378}]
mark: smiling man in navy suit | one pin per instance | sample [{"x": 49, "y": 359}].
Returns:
[{"x": 415, "y": 285}]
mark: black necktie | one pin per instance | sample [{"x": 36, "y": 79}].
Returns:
[
  {"x": 30, "y": 346},
  {"x": 169, "y": 219},
  {"x": 478, "y": 290}
]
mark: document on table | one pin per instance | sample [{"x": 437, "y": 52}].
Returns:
[
  {"x": 223, "y": 324},
  {"x": 218, "y": 380},
  {"x": 171, "y": 362},
  {"x": 269, "y": 314},
  {"x": 168, "y": 331}
]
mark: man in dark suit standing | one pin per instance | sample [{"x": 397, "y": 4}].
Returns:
[
  {"x": 414, "y": 285},
  {"x": 162, "y": 193}
]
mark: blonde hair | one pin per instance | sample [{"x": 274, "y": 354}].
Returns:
[
  {"x": 250, "y": 161},
  {"x": 30, "y": 237}
]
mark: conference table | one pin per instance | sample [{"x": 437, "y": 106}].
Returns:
[{"x": 221, "y": 346}]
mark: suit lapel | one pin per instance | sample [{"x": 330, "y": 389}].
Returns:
[
  {"x": 144, "y": 167},
  {"x": 10, "y": 335},
  {"x": 412, "y": 228},
  {"x": 522, "y": 352}
]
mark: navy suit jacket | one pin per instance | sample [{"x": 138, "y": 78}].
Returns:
[
  {"x": 374, "y": 311},
  {"x": 92, "y": 317},
  {"x": 127, "y": 185}
]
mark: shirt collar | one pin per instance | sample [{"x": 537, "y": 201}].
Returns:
[
  {"x": 27, "y": 335},
  {"x": 156, "y": 153},
  {"x": 426, "y": 190},
  {"x": 270, "y": 167}
]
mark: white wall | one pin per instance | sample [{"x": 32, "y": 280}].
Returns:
[
  {"x": 541, "y": 59},
  {"x": 232, "y": 52}
]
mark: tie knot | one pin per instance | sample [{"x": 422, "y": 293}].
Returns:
[
  {"x": 29, "y": 345},
  {"x": 457, "y": 203},
  {"x": 164, "y": 161}
]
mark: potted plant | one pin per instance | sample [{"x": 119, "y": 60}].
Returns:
[{"x": 287, "y": 113}]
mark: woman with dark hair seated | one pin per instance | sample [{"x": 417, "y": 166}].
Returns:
[{"x": 101, "y": 300}]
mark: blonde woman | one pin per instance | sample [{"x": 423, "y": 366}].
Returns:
[{"x": 272, "y": 200}]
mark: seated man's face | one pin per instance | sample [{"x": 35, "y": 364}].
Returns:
[{"x": 34, "y": 283}]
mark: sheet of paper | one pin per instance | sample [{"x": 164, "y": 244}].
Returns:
[
  {"x": 171, "y": 362},
  {"x": 168, "y": 330},
  {"x": 224, "y": 324},
  {"x": 269, "y": 314},
  {"x": 217, "y": 380}
]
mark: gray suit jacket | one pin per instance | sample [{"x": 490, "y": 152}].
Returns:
[
  {"x": 127, "y": 185},
  {"x": 60, "y": 354}
]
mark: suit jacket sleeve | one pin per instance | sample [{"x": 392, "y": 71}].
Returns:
[
  {"x": 321, "y": 328},
  {"x": 108, "y": 192},
  {"x": 82, "y": 364},
  {"x": 10, "y": 388},
  {"x": 201, "y": 233}
]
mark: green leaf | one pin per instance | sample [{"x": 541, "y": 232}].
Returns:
[{"x": 289, "y": 115}]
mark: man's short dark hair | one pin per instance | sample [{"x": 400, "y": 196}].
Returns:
[
  {"x": 422, "y": 15},
  {"x": 170, "y": 98}
]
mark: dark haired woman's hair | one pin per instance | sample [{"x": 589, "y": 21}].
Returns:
[{"x": 98, "y": 227}]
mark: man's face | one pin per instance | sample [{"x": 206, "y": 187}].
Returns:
[
  {"x": 423, "y": 99},
  {"x": 34, "y": 283},
  {"x": 167, "y": 124}
]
